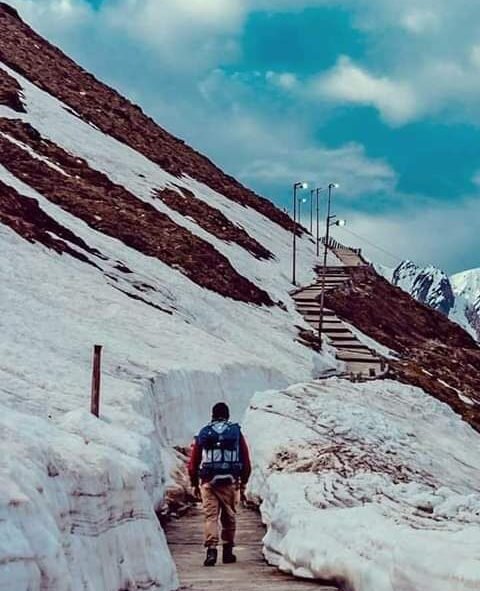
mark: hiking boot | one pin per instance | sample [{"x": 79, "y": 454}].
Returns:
[
  {"x": 211, "y": 559},
  {"x": 228, "y": 555}
]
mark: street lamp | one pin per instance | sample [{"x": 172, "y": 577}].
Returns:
[
  {"x": 318, "y": 191},
  {"x": 329, "y": 223},
  {"x": 312, "y": 193},
  {"x": 297, "y": 186}
]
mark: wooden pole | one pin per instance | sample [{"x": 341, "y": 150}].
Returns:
[{"x": 96, "y": 377}]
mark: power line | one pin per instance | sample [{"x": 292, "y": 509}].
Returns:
[{"x": 380, "y": 248}]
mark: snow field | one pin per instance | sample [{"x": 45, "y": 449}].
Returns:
[{"x": 374, "y": 485}]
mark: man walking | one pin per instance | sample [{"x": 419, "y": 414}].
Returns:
[{"x": 219, "y": 468}]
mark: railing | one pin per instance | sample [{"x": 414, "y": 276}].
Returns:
[{"x": 332, "y": 243}]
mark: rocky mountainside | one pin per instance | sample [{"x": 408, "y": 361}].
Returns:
[
  {"x": 457, "y": 297},
  {"x": 428, "y": 285}
]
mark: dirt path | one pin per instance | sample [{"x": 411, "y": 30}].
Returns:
[{"x": 250, "y": 573}]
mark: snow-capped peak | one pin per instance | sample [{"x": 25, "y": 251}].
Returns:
[{"x": 428, "y": 285}]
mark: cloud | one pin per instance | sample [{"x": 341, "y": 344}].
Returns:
[
  {"x": 426, "y": 232},
  {"x": 53, "y": 15},
  {"x": 185, "y": 34},
  {"x": 349, "y": 83},
  {"x": 284, "y": 80},
  {"x": 348, "y": 165},
  {"x": 420, "y": 20}
]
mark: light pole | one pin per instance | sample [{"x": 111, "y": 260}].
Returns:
[
  {"x": 325, "y": 252},
  {"x": 312, "y": 192},
  {"x": 318, "y": 191},
  {"x": 296, "y": 187}
]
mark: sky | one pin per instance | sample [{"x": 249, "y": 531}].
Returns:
[{"x": 380, "y": 96}]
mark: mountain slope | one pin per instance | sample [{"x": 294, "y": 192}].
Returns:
[
  {"x": 434, "y": 353},
  {"x": 432, "y": 287},
  {"x": 113, "y": 232},
  {"x": 29, "y": 54},
  {"x": 428, "y": 285}
]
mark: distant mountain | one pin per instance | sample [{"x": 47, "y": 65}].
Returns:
[
  {"x": 467, "y": 286},
  {"x": 457, "y": 297},
  {"x": 428, "y": 285}
]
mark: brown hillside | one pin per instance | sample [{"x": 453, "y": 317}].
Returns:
[
  {"x": 48, "y": 68},
  {"x": 25, "y": 217},
  {"x": 109, "y": 208},
  {"x": 434, "y": 353},
  {"x": 10, "y": 92}
]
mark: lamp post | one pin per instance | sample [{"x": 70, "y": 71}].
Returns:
[
  {"x": 312, "y": 192},
  {"x": 325, "y": 252},
  {"x": 296, "y": 187},
  {"x": 318, "y": 191}
]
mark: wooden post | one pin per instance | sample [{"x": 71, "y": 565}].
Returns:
[{"x": 96, "y": 377}]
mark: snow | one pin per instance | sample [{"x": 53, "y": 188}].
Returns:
[
  {"x": 355, "y": 491},
  {"x": 467, "y": 284},
  {"x": 453, "y": 296},
  {"x": 371, "y": 343},
  {"x": 78, "y": 494},
  {"x": 384, "y": 271}
]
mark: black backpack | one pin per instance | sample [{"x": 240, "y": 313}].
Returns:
[{"x": 220, "y": 443}]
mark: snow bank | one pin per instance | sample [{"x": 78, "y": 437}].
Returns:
[
  {"x": 75, "y": 514},
  {"x": 373, "y": 485}
]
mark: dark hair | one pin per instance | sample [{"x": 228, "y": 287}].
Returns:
[{"x": 220, "y": 411}]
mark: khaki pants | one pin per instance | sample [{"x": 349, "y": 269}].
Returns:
[{"x": 219, "y": 504}]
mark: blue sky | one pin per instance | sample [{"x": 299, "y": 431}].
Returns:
[{"x": 379, "y": 95}]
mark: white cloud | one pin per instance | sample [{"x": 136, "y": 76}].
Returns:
[
  {"x": 349, "y": 165},
  {"x": 349, "y": 83},
  {"x": 428, "y": 233},
  {"x": 186, "y": 34},
  {"x": 284, "y": 80},
  {"x": 420, "y": 20},
  {"x": 53, "y": 15}
]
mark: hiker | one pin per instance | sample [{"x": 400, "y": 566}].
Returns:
[{"x": 219, "y": 469}]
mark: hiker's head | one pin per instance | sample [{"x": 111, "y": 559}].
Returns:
[{"x": 220, "y": 412}]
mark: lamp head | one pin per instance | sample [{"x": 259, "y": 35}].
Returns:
[
  {"x": 301, "y": 185},
  {"x": 333, "y": 186},
  {"x": 341, "y": 223}
]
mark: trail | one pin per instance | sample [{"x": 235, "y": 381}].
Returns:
[
  {"x": 360, "y": 360},
  {"x": 250, "y": 573}
]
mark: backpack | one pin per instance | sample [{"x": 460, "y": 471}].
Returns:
[{"x": 220, "y": 443}]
